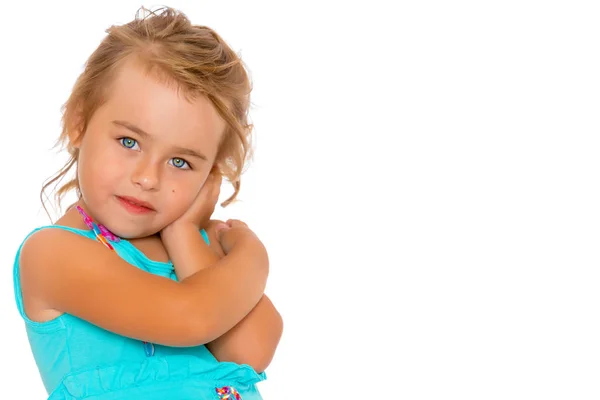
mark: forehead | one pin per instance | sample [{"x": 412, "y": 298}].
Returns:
[{"x": 159, "y": 107}]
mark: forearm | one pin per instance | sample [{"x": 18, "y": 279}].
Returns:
[
  {"x": 188, "y": 251},
  {"x": 253, "y": 340}
]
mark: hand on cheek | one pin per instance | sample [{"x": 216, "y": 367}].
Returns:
[{"x": 204, "y": 204}]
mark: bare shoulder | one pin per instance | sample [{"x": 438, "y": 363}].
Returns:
[
  {"x": 37, "y": 255},
  {"x": 38, "y": 245},
  {"x": 45, "y": 246}
]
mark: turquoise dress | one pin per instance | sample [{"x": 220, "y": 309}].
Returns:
[{"x": 78, "y": 360}]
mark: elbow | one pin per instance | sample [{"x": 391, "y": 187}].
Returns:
[
  {"x": 260, "y": 360},
  {"x": 259, "y": 365},
  {"x": 252, "y": 347},
  {"x": 277, "y": 329},
  {"x": 199, "y": 334},
  {"x": 190, "y": 333},
  {"x": 203, "y": 328},
  {"x": 198, "y": 326}
]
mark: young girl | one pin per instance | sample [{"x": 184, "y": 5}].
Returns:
[{"x": 128, "y": 296}]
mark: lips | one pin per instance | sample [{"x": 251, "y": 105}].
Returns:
[{"x": 136, "y": 202}]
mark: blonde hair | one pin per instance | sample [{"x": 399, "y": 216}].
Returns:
[{"x": 195, "y": 57}]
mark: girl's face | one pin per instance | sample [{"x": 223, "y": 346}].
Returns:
[{"x": 145, "y": 145}]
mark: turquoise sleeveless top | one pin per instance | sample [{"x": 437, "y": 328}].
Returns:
[{"x": 78, "y": 360}]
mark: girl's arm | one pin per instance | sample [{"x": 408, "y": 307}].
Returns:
[
  {"x": 254, "y": 339},
  {"x": 70, "y": 273}
]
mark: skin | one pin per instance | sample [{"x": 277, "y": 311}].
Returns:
[{"x": 166, "y": 166}]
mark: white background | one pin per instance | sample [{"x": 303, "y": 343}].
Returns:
[{"x": 425, "y": 179}]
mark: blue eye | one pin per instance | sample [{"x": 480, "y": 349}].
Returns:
[
  {"x": 180, "y": 163},
  {"x": 128, "y": 142}
]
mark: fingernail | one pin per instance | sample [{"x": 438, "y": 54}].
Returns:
[{"x": 220, "y": 227}]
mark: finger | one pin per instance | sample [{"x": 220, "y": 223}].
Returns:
[
  {"x": 213, "y": 179},
  {"x": 236, "y": 222},
  {"x": 215, "y": 190},
  {"x": 217, "y": 181},
  {"x": 221, "y": 234},
  {"x": 211, "y": 186},
  {"x": 220, "y": 228}
]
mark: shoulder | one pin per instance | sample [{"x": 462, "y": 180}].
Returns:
[
  {"x": 44, "y": 242},
  {"x": 49, "y": 241},
  {"x": 38, "y": 255},
  {"x": 46, "y": 247}
]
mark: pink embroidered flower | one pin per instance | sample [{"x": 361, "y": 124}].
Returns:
[{"x": 228, "y": 393}]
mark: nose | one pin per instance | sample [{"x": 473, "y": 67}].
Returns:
[{"x": 146, "y": 175}]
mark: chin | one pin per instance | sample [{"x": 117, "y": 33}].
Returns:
[{"x": 133, "y": 233}]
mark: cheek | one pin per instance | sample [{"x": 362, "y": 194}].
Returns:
[
  {"x": 102, "y": 168},
  {"x": 105, "y": 168},
  {"x": 180, "y": 198}
]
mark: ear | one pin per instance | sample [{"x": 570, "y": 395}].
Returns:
[
  {"x": 75, "y": 137},
  {"x": 75, "y": 128}
]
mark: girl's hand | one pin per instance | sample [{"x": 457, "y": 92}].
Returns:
[
  {"x": 231, "y": 232},
  {"x": 204, "y": 205},
  {"x": 215, "y": 243}
]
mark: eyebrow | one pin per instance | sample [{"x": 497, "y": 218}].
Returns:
[{"x": 146, "y": 135}]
